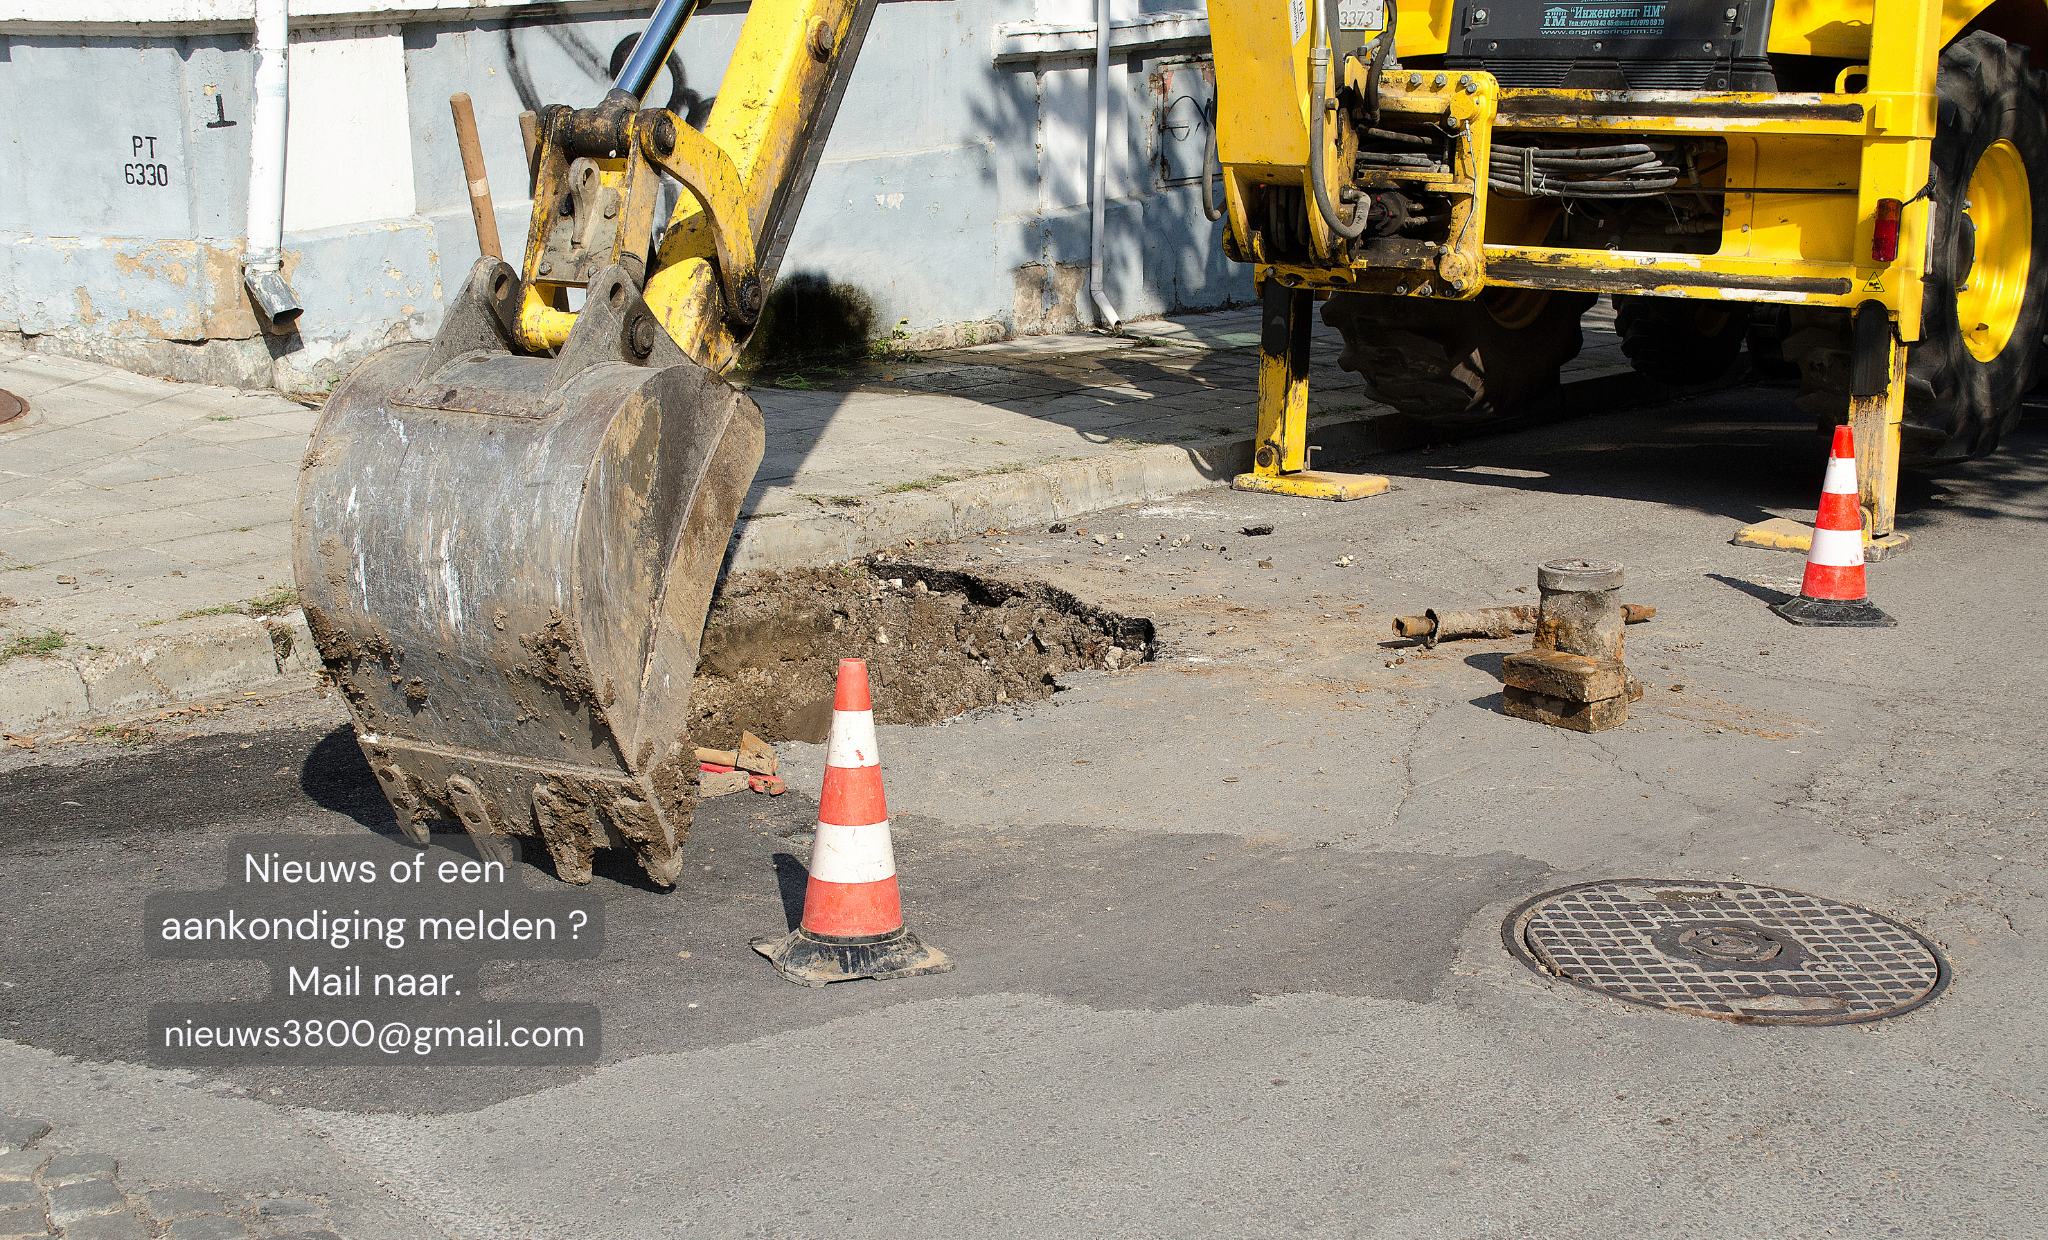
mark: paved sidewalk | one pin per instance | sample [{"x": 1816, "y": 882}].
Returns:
[
  {"x": 145, "y": 525},
  {"x": 90, "y": 1197},
  {"x": 1040, "y": 428},
  {"x": 1044, "y": 400}
]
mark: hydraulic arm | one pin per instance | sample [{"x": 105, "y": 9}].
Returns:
[{"x": 508, "y": 537}]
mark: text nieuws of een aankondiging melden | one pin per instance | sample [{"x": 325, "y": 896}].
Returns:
[{"x": 374, "y": 947}]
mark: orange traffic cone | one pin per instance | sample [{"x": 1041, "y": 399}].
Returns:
[
  {"x": 853, "y": 915},
  {"x": 1833, "y": 592}
]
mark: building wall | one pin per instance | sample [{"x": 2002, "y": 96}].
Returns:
[{"x": 953, "y": 191}]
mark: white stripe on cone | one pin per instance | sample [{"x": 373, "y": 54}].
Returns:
[
  {"x": 852, "y": 740},
  {"x": 853, "y": 854},
  {"x": 1836, "y": 548},
  {"x": 1841, "y": 478}
]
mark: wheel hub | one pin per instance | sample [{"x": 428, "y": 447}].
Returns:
[{"x": 2000, "y": 221}]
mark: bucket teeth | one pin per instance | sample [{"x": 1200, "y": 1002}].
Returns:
[
  {"x": 473, "y": 810},
  {"x": 567, "y": 845},
  {"x": 412, "y": 816},
  {"x": 649, "y": 837}
]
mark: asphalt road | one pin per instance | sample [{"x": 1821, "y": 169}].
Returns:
[{"x": 1227, "y": 925}]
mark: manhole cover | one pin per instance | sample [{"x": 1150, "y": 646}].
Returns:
[
  {"x": 11, "y": 407},
  {"x": 1728, "y": 950}
]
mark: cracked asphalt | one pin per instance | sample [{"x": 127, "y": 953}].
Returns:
[{"x": 1227, "y": 924}]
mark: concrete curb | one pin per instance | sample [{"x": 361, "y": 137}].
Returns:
[
  {"x": 1053, "y": 492},
  {"x": 151, "y": 668}
]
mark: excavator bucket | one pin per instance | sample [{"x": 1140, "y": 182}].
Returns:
[
  {"x": 506, "y": 561},
  {"x": 508, "y": 538}
]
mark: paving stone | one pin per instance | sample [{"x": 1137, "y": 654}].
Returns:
[
  {"x": 175, "y": 1203},
  {"x": 207, "y": 1229},
  {"x": 18, "y": 1132},
  {"x": 77, "y": 1168},
  {"x": 73, "y": 1202},
  {"x": 289, "y": 1207},
  {"x": 20, "y": 1193},
  {"x": 23, "y": 1164},
  {"x": 23, "y": 1221},
  {"x": 124, "y": 1226}
]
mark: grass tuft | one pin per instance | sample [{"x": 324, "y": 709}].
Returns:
[
  {"x": 34, "y": 645},
  {"x": 271, "y": 602}
]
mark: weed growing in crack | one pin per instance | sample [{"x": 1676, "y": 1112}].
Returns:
[{"x": 49, "y": 642}]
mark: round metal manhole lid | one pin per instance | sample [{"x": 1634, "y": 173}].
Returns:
[
  {"x": 1732, "y": 951},
  {"x": 11, "y": 407}
]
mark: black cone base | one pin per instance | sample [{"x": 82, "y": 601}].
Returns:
[
  {"x": 811, "y": 961},
  {"x": 1834, "y": 613}
]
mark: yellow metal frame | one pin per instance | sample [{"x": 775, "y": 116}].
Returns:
[
  {"x": 1852, "y": 149},
  {"x": 736, "y": 170}
]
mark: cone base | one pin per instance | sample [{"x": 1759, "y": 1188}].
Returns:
[
  {"x": 810, "y": 961},
  {"x": 1858, "y": 613}
]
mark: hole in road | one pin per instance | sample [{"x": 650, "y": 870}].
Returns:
[{"x": 936, "y": 642}]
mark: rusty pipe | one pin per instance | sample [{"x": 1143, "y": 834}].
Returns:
[
  {"x": 1435, "y": 626},
  {"x": 487, "y": 241}
]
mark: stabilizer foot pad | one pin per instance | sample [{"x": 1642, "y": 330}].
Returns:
[
  {"x": 1313, "y": 484},
  {"x": 1783, "y": 534},
  {"x": 810, "y": 961}
]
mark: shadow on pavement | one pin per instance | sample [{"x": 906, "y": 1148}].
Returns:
[
  {"x": 1101, "y": 918},
  {"x": 1755, "y": 591},
  {"x": 1744, "y": 453},
  {"x": 335, "y": 777}
]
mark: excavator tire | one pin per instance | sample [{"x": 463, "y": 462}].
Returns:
[
  {"x": 1964, "y": 380},
  {"x": 1681, "y": 341},
  {"x": 1459, "y": 365}
]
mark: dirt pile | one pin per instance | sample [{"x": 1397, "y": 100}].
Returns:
[{"x": 937, "y": 643}]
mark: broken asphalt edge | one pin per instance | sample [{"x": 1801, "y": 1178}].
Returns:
[{"x": 184, "y": 660}]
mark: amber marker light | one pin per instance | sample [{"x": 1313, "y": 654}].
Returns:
[{"x": 1884, "y": 238}]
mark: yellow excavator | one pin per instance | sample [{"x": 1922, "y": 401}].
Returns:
[
  {"x": 1858, "y": 187},
  {"x": 508, "y": 537}
]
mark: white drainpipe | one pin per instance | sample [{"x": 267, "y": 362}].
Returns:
[
  {"x": 1105, "y": 314},
  {"x": 265, "y": 255}
]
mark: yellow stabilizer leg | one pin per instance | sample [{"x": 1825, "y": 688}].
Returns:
[
  {"x": 1875, "y": 418},
  {"x": 1283, "y": 408}
]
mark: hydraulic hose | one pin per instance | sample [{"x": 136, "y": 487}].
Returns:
[
  {"x": 1318, "y": 104},
  {"x": 1209, "y": 207},
  {"x": 1544, "y": 171},
  {"x": 1382, "y": 51}
]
